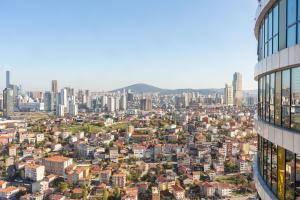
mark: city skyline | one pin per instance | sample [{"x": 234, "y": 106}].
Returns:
[{"x": 84, "y": 48}]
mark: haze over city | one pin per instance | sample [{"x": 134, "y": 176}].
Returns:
[
  {"x": 104, "y": 45},
  {"x": 150, "y": 99}
]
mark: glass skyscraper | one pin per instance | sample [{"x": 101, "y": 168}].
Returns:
[{"x": 277, "y": 167}]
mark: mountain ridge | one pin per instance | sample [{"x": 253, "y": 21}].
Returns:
[{"x": 146, "y": 88}]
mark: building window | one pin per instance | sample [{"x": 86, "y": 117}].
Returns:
[
  {"x": 269, "y": 34},
  {"x": 286, "y": 89},
  {"x": 267, "y": 107},
  {"x": 297, "y": 183},
  {"x": 295, "y": 95},
  {"x": 290, "y": 176},
  {"x": 269, "y": 165},
  {"x": 272, "y": 97},
  {"x": 278, "y": 99},
  {"x": 291, "y": 22},
  {"x": 275, "y": 28},
  {"x": 274, "y": 169},
  {"x": 281, "y": 172}
]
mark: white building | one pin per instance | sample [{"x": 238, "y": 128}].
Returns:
[
  {"x": 228, "y": 92},
  {"x": 60, "y": 111},
  {"x": 34, "y": 172}
]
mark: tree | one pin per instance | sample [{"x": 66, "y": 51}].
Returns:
[{"x": 63, "y": 187}]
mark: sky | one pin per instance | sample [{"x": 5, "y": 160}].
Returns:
[{"x": 108, "y": 44}]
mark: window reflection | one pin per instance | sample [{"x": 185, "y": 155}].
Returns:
[{"x": 289, "y": 176}]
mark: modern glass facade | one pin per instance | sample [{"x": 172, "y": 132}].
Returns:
[
  {"x": 279, "y": 98},
  {"x": 280, "y": 28},
  {"x": 280, "y": 169}
]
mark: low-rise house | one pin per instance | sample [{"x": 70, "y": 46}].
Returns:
[
  {"x": 178, "y": 192},
  {"x": 9, "y": 192}
]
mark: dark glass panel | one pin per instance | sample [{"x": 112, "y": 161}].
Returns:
[
  {"x": 295, "y": 86},
  {"x": 297, "y": 192},
  {"x": 278, "y": 98},
  {"x": 274, "y": 169},
  {"x": 295, "y": 117}
]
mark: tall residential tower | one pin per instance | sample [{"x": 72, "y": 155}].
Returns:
[{"x": 237, "y": 89}]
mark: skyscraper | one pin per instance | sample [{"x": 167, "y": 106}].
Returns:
[
  {"x": 277, "y": 165},
  {"x": 54, "y": 87},
  {"x": 7, "y": 79},
  {"x": 146, "y": 104},
  {"x": 8, "y": 102},
  {"x": 228, "y": 93},
  {"x": 237, "y": 89},
  {"x": 111, "y": 103},
  {"x": 123, "y": 104},
  {"x": 49, "y": 101}
]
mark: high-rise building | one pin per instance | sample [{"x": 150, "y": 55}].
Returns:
[
  {"x": 49, "y": 101},
  {"x": 64, "y": 99},
  {"x": 228, "y": 94},
  {"x": 277, "y": 165},
  {"x": 73, "y": 108},
  {"x": 237, "y": 89},
  {"x": 111, "y": 104},
  {"x": 146, "y": 104},
  {"x": 8, "y": 102},
  {"x": 60, "y": 110},
  {"x": 54, "y": 87},
  {"x": 7, "y": 79},
  {"x": 123, "y": 104}
]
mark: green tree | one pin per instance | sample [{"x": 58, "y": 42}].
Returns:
[{"x": 63, "y": 187}]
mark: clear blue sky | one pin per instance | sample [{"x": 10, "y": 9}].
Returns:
[{"x": 106, "y": 44}]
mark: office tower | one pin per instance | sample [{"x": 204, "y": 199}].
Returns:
[
  {"x": 54, "y": 87},
  {"x": 64, "y": 99},
  {"x": 7, "y": 79},
  {"x": 73, "y": 108},
  {"x": 146, "y": 104},
  {"x": 49, "y": 101},
  {"x": 277, "y": 71},
  {"x": 123, "y": 104},
  {"x": 60, "y": 111},
  {"x": 1, "y": 102},
  {"x": 228, "y": 93},
  {"x": 111, "y": 104},
  {"x": 8, "y": 103},
  {"x": 237, "y": 89},
  {"x": 130, "y": 96},
  {"x": 117, "y": 103}
]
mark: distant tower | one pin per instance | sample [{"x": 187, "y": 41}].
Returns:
[
  {"x": 49, "y": 101},
  {"x": 8, "y": 102},
  {"x": 237, "y": 89},
  {"x": 146, "y": 104},
  {"x": 123, "y": 102},
  {"x": 54, "y": 88},
  {"x": 7, "y": 79},
  {"x": 228, "y": 93}
]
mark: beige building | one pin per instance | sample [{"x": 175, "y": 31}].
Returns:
[{"x": 57, "y": 165}]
